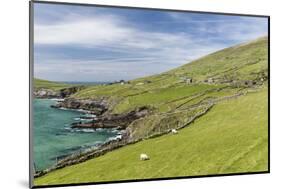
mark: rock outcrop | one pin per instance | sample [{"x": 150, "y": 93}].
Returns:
[
  {"x": 63, "y": 93},
  {"x": 120, "y": 121},
  {"x": 66, "y": 92},
  {"x": 97, "y": 107},
  {"x": 46, "y": 93}
]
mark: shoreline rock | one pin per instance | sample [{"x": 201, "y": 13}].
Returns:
[
  {"x": 120, "y": 121},
  {"x": 62, "y": 93},
  {"x": 46, "y": 93},
  {"x": 110, "y": 146},
  {"x": 97, "y": 107},
  {"x": 79, "y": 158}
]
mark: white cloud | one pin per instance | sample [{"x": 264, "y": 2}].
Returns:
[
  {"x": 145, "y": 52},
  {"x": 106, "y": 32},
  {"x": 87, "y": 31}
]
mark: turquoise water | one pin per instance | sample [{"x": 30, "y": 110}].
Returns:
[{"x": 53, "y": 138}]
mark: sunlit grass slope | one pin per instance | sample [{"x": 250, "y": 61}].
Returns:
[
  {"x": 167, "y": 93},
  {"x": 241, "y": 62},
  {"x": 231, "y": 138}
]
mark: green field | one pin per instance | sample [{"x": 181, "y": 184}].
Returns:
[
  {"x": 40, "y": 83},
  {"x": 232, "y": 137},
  {"x": 238, "y": 63}
]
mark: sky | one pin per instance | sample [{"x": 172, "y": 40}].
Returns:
[{"x": 102, "y": 44}]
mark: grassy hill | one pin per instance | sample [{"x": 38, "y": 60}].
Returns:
[
  {"x": 238, "y": 63},
  {"x": 231, "y": 137},
  {"x": 40, "y": 83},
  {"x": 170, "y": 97}
]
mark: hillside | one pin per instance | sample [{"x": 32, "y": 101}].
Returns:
[
  {"x": 231, "y": 138},
  {"x": 221, "y": 97},
  {"x": 230, "y": 66},
  {"x": 228, "y": 72},
  {"x": 51, "y": 89},
  {"x": 40, "y": 83}
]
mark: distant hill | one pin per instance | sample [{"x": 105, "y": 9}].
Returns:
[
  {"x": 241, "y": 62},
  {"x": 40, "y": 83}
]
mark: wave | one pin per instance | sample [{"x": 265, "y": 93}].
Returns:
[
  {"x": 118, "y": 137},
  {"x": 91, "y": 145},
  {"x": 115, "y": 131},
  {"x": 84, "y": 111},
  {"x": 100, "y": 129},
  {"x": 91, "y": 130},
  {"x": 87, "y": 130},
  {"x": 80, "y": 119},
  {"x": 57, "y": 99},
  {"x": 90, "y": 115}
]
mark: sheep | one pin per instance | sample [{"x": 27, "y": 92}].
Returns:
[
  {"x": 144, "y": 157},
  {"x": 174, "y": 131}
]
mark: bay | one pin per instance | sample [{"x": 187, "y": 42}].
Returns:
[{"x": 53, "y": 137}]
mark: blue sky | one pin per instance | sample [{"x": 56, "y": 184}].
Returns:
[{"x": 78, "y": 43}]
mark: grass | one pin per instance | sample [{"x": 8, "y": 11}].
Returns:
[
  {"x": 231, "y": 138},
  {"x": 156, "y": 97},
  {"x": 241, "y": 62},
  {"x": 40, "y": 83},
  {"x": 232, "y": 60}
]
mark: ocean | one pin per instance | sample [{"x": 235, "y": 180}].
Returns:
[{"x": 53, "y": 137}]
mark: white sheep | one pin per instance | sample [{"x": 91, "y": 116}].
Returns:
[
  {"x": 144, "y": 157},
  {"x": 174, "y": 131}
]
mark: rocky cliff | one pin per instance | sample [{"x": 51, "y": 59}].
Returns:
[{"x": 62, "y": 93}]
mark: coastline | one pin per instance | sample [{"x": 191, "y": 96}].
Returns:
[
  {"x": 89, "y": 115},
  {"x": 121, "y": 140},
  {"x": 125, "y": 138},
  {"x": 103, "y": 119},
  {"x": 86, "y": 116}
]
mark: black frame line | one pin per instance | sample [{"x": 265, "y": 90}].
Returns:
[
  {"x": 31, "y": 64},
  {"x": 145, "y": 8}
]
